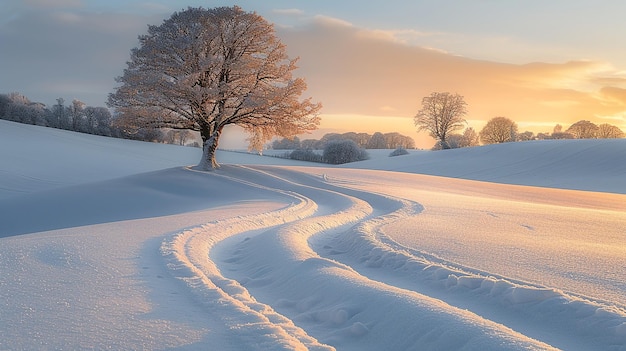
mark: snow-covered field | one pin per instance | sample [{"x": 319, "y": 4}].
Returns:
[{"x": 112, "y": 244}]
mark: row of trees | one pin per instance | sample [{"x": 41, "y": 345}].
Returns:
[
  {"x": 362, "y": 140},
  {"x": 79, "y": 117},
  {"x": 334, "y": 152},
  {"x": 443, "y": 113},
  {"x": 502, "y": 130},
  {"x": 76, "y": 117},
  {"x": 586, "y": 130}
]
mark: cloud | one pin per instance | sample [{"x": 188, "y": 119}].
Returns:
[
  {"x": 615, "y": 94},
  {"x": 47, "y": 49},
  {"x": 353, "y": 71},
  {"x": 330, "y": 22},
  {"x": 289, "y": 12}
]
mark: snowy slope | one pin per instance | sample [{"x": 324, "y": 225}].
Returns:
[
  {"x": 597, "y": 165},
  {"x": 37, "y": 158},
  {"x": 152, "y": 255}
]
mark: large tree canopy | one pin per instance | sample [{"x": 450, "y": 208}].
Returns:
[
  {"x": 441, "y": 114},
  {"x": 203, "y": 69}
]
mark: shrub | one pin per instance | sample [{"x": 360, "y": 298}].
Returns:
[
  {"x": 343, "y": 151},
  {"x": 305, "y": 155},
  {"x": 399, "y": 152}
]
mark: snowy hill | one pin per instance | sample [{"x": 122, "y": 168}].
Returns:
[
  {"x": 113, "y": 244},
  {"x": 49, "y": 158},
  {"x": 591, "y": 164}
]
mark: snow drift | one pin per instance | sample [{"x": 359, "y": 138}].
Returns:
[{"x": 119, "y": 245}]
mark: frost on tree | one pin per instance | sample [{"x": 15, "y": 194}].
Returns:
[
  {"x": 203, "y": 69},
  {"x": 441, "y": 114},
  {"x": 498, "y": 130}
]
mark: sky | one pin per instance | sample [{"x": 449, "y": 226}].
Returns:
[{"x": 369, "y": 63}]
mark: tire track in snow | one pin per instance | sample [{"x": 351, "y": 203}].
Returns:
[
  {"x": 255, "y": 326},
  {"x": 336, "y": 304},
  {"x": 567, "y": 321}
]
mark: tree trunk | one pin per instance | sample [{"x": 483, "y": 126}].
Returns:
[
  {"x": 444, "y": 144},
  {"x": 209, "y": 147}
]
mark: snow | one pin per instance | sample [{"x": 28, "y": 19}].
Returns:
[{"x": 107, "y": 243}]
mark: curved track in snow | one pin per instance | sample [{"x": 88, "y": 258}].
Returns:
[{"x": 321, "y": 274}]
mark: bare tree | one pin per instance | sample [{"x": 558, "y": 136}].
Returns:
[
  {"x": 583, "y": 130},
  {"x": 77, "y": 115},
  {"x": 526, "y": 136},
  {"x": 441, "y": 114},
  {"x": 98, "y": 120},
  {"x": 177, "y": 137},
  {"x": 395, "y": 140},
  {"x": 608, "y": 131},
  {"x": 453, "y": 141},
  {"x": 286, "y": 144},
  {"x": 203, "y": 69},
  {"x": 470, "y": 138},
  {"x": 377, "y": 141},
  {"x": 498, "y": 130}
]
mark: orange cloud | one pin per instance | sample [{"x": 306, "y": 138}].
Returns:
[
  {"x": 354, "y": 71},
  {"x": 615, "y": 94}
]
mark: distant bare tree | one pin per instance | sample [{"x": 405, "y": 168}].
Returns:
[
  {"x": 60, "y": 117},
  {"x": 561, "y": 135},
  {"x": 470, "y": 138},
  {"x": 18, "y": 98},
  {"x": 377, "y": 141},
  {"x": 583, "y": 130},
  {"x": 608, "y": 131},
  {"x": 177, "y": 137},
  {"x": 77, "y": 116},
  {"x": 498, "y": 130},
  {"x": 309, "y": 144},
  {"x": 362, "y": 139},
  {"x": 98, "y": 120},
  {"x": 525, "y": 136},
  {"x": 5, "y": 101},
  {"x": 286, "y": 144},
  {"x": 395, "y": 140},
  {"x": 453, "y": 141},
  {"x": 441, "y": 114}
]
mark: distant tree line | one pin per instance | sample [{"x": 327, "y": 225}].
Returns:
[
  {"x": 362, "y": 140},
  {"x": 503, "y": 130},
  {"x": 78, "y": 117},
  {"x": 75, "y": 117},
  {"x": 442, "y": 114},
  {"x": 337, "y": 151},
  {"x": 584, "y": 129}
]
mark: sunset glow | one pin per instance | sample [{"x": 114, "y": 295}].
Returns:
[
  {"x": 312, "y": 175},
  {"x": 370, "y": 68}
]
